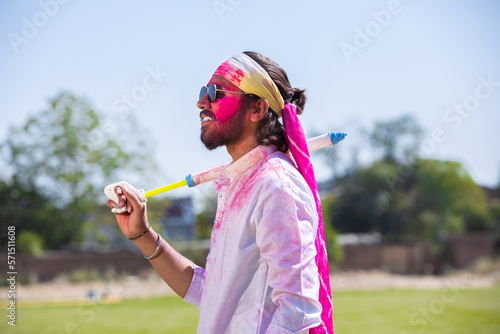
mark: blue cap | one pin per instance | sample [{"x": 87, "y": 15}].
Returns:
[
  {"x": 189, "y": 181},
  {"x": 335, "y": 137}
]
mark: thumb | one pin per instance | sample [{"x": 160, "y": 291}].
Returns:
[{"x": 132, "y": 196}]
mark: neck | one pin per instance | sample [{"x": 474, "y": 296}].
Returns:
[{"x": 242, "y": 147}]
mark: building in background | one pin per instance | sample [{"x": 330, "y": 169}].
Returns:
[{"x": 179, "y": 222}]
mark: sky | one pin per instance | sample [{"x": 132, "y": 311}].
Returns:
[{"x": 360, "y": 61}]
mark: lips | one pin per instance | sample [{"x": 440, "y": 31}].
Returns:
[{"x": 207, "y": 116}]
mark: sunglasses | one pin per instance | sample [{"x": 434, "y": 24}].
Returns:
[{"x": 212, "y": 90}]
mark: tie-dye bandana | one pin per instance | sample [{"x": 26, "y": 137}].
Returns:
[{"x": 251, "y": 78}]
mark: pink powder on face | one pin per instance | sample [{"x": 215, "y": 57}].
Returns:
[
  {"x": 227, "y": 71},
  {"x": 227, "y": 107}
]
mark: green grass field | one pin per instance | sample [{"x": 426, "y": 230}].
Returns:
[{"x": 383, "y": 311}]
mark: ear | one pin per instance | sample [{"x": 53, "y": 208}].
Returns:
[{"x": 259, "y": 110}]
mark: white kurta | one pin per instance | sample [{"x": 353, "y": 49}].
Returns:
[{"x": 261, "y": 275}]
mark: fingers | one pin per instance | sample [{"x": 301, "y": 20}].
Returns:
[
  {"x": 119, "y": 201},
  {"x": 132, "y": 197},
  {"x": 111, "y": 204},
  {"x": 121, "y": 197},
  {"x": 124, "y": 199}
]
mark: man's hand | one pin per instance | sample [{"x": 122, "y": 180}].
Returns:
[{"x": 134, "y": 221}]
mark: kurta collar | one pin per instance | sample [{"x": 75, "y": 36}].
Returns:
[{"x": 244, "y": 163}]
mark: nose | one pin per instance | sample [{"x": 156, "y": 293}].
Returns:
[{"x": 203, "y": 102}]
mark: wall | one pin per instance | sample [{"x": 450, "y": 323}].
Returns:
[
  {"x": 394, "y": 258},
  {"x": 463, "y": 249}
]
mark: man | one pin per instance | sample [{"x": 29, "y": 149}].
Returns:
[{"x": 262, "y": 271}]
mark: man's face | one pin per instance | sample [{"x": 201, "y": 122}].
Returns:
[{"x": 222, "y": 121}]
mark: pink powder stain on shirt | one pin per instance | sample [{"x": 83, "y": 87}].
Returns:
[
  {"x": 216, "y": 228},
  {"x": 209, "y": 175},
  {"x": 246, "y": 188},
  {"x": 236, "y": 187},
  {"x": 227, "y": 71}
]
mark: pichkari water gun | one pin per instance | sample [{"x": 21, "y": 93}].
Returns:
[{"x": 195, "y": 179}]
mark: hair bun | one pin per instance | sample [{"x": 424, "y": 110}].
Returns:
[{"x": 299, "y": 99}]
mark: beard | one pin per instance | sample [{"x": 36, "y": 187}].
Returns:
[{"x": 223, "y": 133}]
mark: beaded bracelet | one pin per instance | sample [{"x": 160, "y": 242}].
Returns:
[
  {"x": 140, "y": 235},
  {"x": 157, "y": 248}
]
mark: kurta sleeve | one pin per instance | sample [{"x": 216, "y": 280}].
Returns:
[
  {"x": 193, "y": 295},
  {"x": 286, "y": 223}
]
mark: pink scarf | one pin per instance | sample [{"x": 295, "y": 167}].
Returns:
[{"x": 297, "y": 143}]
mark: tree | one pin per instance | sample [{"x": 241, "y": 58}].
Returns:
[
  {"x": 438, "y": 198},
  {"x": 29, "y": 242},
  {"x": 446, "y": 190},
  {"x": 333, "y": 247},
  {"x": 62, "y": 158},
  {"x": 398, "y": 139},
  {"x": 367, "y": 204},
  {"x": 206, "y": 218},
  {"x": 406, "y": 198}
]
